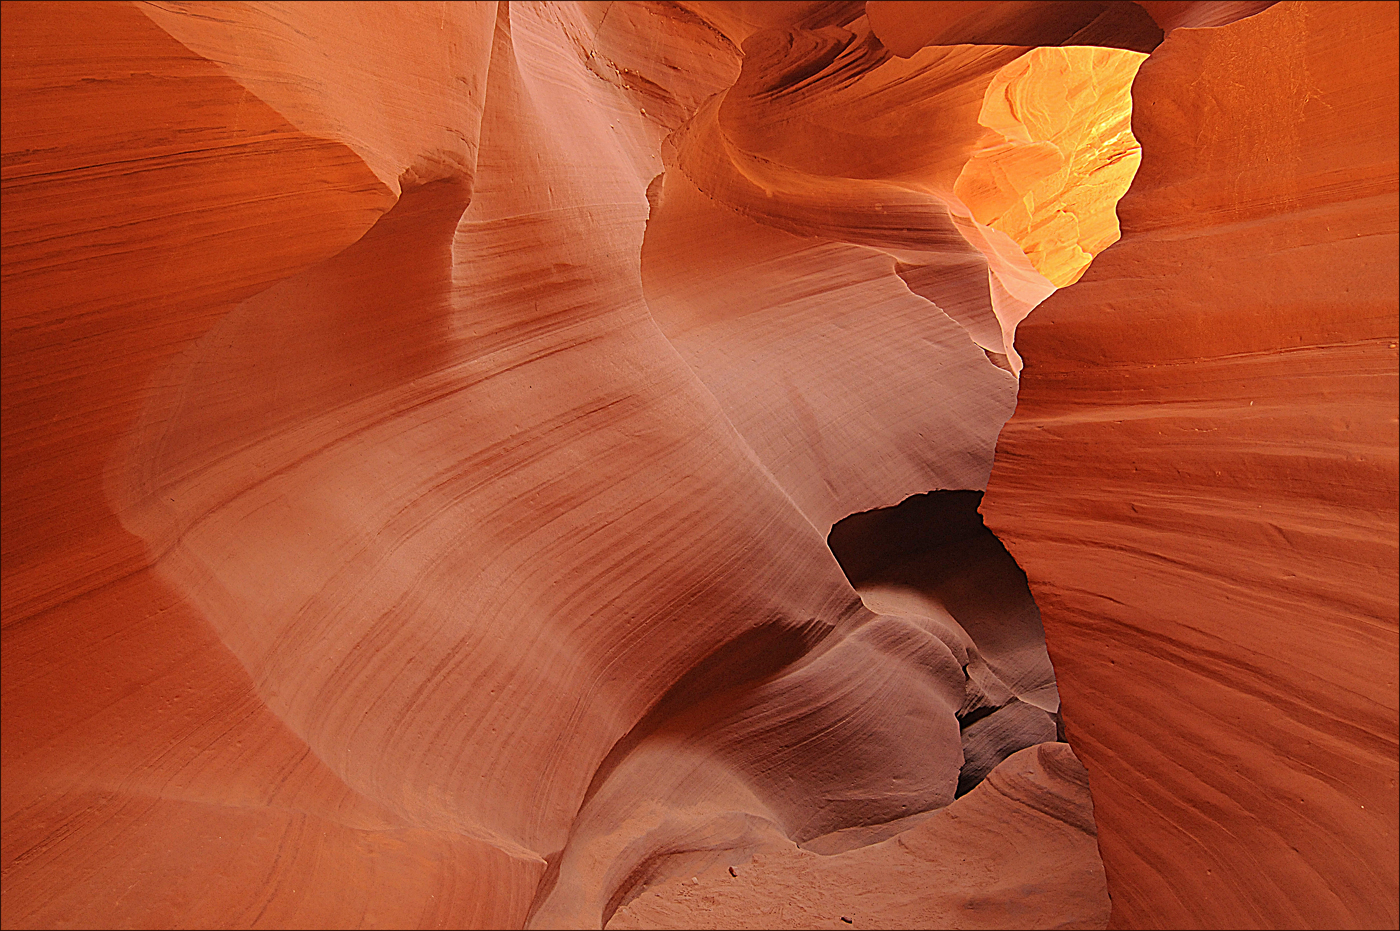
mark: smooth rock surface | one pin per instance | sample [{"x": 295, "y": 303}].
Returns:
[
  {"x": 516, "y": 464},
  {"x": 929, "y": 876},
  {"x": 1200, "y": 481},
  {"x": 384, "y": 536}
]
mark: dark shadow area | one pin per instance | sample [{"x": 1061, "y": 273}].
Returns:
[
  {"x": 932, "y": 556},
  {"x": 870, "y": 541}
]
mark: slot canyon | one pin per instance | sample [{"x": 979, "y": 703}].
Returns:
[{"x": 700, "y": 464}]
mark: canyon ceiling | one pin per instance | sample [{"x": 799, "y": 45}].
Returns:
[{"x": 690, "y": 464}]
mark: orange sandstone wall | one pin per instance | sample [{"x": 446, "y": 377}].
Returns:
[
  {"x": 1200, "y": 482},
  {"x": 422, "y": 427},
  {"x": 146, "y": 193},
  {"x": 376, "y": 555}
]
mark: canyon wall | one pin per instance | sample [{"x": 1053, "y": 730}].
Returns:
[
  {"x": 416, "y": 491},
  {"x": 1200, "y": 481},
  {"x": 516, "y": 464}
]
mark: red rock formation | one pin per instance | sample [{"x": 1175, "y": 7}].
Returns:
[
  {"x": 956, "y": 868},
  {"x": 1200, "y": 481},
  {"x": 423, "y": 428}
]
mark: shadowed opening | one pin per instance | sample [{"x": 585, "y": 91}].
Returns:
[{"x": 932, "y": 556}]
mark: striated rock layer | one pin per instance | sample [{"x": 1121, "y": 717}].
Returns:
[
  {"x": 417, "y": 475},
  {"x": 1200, "y": 481},
  {"x": 500, "y": 465}
]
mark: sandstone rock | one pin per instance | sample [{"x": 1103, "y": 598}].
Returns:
[
  {"x": 349, "y": 471},
  {"x": 967, "y": 866},
  {"x": 1200, "y": 482},
  {"x": 489, "y": 465}
]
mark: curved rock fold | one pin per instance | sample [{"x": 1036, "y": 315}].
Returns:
[{"x": 519, "y": 464}]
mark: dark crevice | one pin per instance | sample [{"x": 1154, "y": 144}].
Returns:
[
  {"x": 868, "y": 542},
  {"x": 932, "y": 553},
  {"x": 968, "y": 718}
]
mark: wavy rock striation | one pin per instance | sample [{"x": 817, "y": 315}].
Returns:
[
  {"x": 1200, "y": 481},
  {"x": 500, "y": 465}
]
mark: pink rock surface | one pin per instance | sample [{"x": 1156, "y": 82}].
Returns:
[
  {"x": 979, "y": 863},
  {"x": 431, "y": 435}
]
